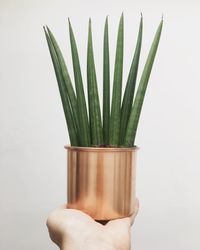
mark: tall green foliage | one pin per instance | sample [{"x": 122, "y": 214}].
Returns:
[
  {"x": 81, "y": 103},
  {"x": 115, "y": 116},
  {"x": 138, "y": 101},
  {"x": 93, "y": 97},
  {"x": 106, "y": 85},
  {"x": 130, "y": 86},
  {"x": 120, "y": 116}
]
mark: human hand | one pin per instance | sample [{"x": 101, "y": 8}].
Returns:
[{"x": 72, "y": 229}]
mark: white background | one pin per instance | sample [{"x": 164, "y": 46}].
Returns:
[{"x": 33, "y": 130}]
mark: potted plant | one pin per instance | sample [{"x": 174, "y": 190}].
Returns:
[{"x": 102, "y": 154}]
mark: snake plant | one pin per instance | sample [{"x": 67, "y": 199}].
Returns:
[{"x": 117, "y": 126}]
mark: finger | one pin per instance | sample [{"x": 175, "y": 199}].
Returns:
[
  {"x": 118, "y": 231},
  {"x": 54, "y": 214},
  {"x": 128, "y": 221},
  {"x": 123, "y": 222}
]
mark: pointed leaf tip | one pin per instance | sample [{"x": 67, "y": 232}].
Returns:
[
  {"x": 122, "y": 19},
  {"x": 70, "y": 26},
  {"x": 47, "y": 28}
]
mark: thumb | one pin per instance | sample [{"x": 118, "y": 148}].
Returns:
[
  {"x": 119, "y": 231},
  {"x": 128, "y": 221}
]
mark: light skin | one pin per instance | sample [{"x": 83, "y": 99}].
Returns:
[{"x": 72, "y": 229}]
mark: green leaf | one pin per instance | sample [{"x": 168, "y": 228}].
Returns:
[
  {"x": 64, "y": 98},
  {"x": 93, "y": 97},
  {"x": 69, "y": 88},
  {"x": 117, "y": 88},
  {"x": 106, "y": 85},
  {"x": 130, "y": 86},
  {"x": 82, "y": 109},
  {"x": 138, "y": 102}
]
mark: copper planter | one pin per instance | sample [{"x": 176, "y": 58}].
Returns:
[{"x": 101, "y": 181}]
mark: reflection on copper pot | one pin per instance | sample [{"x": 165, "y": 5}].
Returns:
[{"x": 101, "y": 181}]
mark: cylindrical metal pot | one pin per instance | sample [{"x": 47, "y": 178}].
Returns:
[{"x": 101, "y": 181}]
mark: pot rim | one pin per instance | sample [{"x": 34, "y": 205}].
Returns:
[{"x": 101, "y": 149}]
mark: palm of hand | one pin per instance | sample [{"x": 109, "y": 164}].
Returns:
[{"x": 77, "y": 230}]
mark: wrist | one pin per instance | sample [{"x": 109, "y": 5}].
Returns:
[
  {"x": 89, "y": 244},
  {"x": 98, "y": 245}
]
